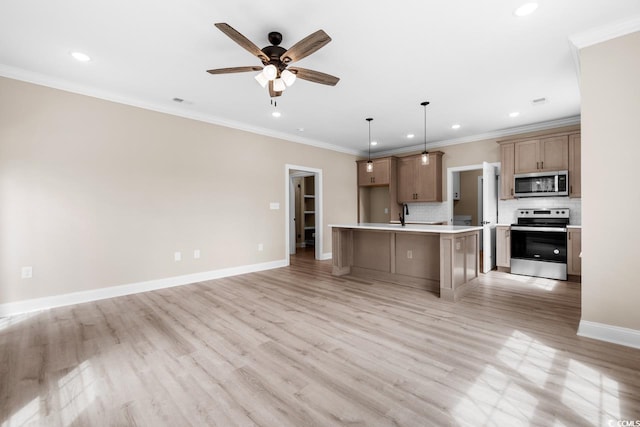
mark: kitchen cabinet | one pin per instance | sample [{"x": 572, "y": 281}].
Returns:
[
  {"x": 543, "y": 154},
  {"x": 418, "y": 182},
  {"x": 377, "y": 190},
  {"x": 507, "y": 157},
  {"x": 503, "y": 246},
  {"x": 380, "y": 175},
  {"x": 574, "y": 248},
  {"x": 575, "y": 168}
]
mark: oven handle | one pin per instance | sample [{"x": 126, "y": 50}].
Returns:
[{"x": 525, "y": 228}]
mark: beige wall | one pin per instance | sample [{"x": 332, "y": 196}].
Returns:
[
  {"x": 610, "y": 196},
  {"x": 95, "y": 194}
]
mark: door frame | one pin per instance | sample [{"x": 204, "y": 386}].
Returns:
[
  {"x": 288, "y": 219},
  {"x": 450, "y": 172}
]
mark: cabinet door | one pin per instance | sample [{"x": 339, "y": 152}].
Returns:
[
  {"x": 575, "y": 168},
  {"x": 554, "y": 153},
  {"x": 574, "y": 247},
  {"x": 506, "y": 171},
  {"x": 526, "y": 156},
  {"x": 503, "y": 246},
  {"x": 406, "y": 180},
  {"x": 428, "y": 186},
  {"x": 380, "y": 174}
]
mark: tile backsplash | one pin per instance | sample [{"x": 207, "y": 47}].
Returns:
[{"x": 507, "y": 208}]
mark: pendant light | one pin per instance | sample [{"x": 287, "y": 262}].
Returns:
[
  {"x": 369, "y": 162},
  {"x": 425, "y": 154}
]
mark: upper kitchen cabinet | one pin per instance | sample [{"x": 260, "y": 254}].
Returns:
[
  {"x": 418, "y": 182},
  {"x": 506, "y": 171},
  {"x": 540, "y": 155},
  {"x": 380, "y": 175},
  {"x": 575, "y": 168}
]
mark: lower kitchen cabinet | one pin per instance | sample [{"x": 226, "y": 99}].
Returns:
[
  {"x": 503, "y": 246},
  {"x": 574, "y": 248}
]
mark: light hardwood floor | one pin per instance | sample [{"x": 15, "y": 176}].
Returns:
[{"x": 298, "y": 347}]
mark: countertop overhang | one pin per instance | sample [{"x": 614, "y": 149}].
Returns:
[{"x": 415, "y": 228}]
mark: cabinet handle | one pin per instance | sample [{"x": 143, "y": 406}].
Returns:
[
  {"x": 537, "y": 165},
  {"x": 571, "y": 189},
  {"x": 512, "y": 191},
  {"x": 542, "y": 164},
  {"x": 569, "y": 236}
]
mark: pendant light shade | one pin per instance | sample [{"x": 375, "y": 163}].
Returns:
[
  {"x": 260, "y": 78},
  {"x": 288, "y": 77},
  {"x": 270, "y": 72},
  {"x": 278, "y": 85},
  {"x": 425, "y": 154},
  {"x": 369, "y": 162}
]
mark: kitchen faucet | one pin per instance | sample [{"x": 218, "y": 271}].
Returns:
[{"x": 403, "y": 212}]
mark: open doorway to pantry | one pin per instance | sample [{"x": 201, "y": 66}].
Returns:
[
  {"x": 477, "y": 204},
  {"x": 303, "y": 211}
]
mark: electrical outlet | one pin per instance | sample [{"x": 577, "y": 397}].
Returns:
[
  {"x": 177, "y": 256},
  {"x": 196, "y": 254},
  {"x": 386, "y": 210},
  {"x": 260, "y": 246},
  {"x": 410, "y": 254},
  {"x": 27, "y": 272},
  {"x": 274, "y": 205}
]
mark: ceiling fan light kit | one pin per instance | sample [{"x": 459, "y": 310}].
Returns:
[{"x": 276, "y": 59}]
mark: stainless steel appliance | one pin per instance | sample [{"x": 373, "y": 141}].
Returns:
[
  {"x": 541, "y": 184},
  {"x": 539, "y": 243}
]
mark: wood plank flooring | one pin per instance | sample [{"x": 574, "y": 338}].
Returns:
[{"x": 298, "y": 347}]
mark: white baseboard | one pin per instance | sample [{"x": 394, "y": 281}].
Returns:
[
  {"x": 326, "y": 255},
  {"x": 614, "y": 334},
  {"x": 27, "y": 306}
]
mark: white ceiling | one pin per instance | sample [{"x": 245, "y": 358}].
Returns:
[{"x": 473, "y": 60}]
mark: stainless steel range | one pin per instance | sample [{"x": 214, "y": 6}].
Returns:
[{"x": 539, "y": 243}]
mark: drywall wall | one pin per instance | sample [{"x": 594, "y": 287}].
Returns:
[
  {"x": 97, "y": 194},
  {"x": 610, "y": 196}
]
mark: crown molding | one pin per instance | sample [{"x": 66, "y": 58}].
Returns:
[
  {"x": 606, "y": 32},
  {"x": 535, "y": 127},
  {"x": 68, "y": 86}
]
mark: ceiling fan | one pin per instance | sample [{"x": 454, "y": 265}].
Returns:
[{"x": 275, "y": 60}]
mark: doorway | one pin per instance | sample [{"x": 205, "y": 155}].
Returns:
[
  {"x": 472, "y": 195},
  {"x": 303, "y": 212}
]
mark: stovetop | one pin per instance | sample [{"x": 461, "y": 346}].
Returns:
[{"x": 543, "y": 217}]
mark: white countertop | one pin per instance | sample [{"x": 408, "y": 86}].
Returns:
[
  {"x": 420, "y": 228},
  {"x": 574, "y": 226}
]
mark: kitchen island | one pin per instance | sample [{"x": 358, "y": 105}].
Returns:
[{"x": 443, "y": 259}]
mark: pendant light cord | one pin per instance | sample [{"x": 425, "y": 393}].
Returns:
[{"x": 369, "y": 120}]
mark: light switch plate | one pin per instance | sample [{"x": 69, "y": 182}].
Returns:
[
  {"x": 196, "y": 254},
  {"x": 27, "y": 272},
  {"x": 177, "y": 256},
  {"x": 274, "y": 205}
]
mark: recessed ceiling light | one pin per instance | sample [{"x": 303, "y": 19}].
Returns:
[
  {"x": 410, "y": 135},
  {"x": 276, "y": 114},
  {"x": 82, "y": 57},
  {"x": 526, "y": 9},
  {"x": 374, "y": 142},
  {"x": 514, "y": 114},
  {"x": 178, "y": 100},
  {"x": 456, "y": 126},
  {"x": 300, "y": 129}
]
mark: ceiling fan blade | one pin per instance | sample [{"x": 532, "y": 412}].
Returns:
[
  {"x": 315, "y": 76},
  {"x": 234, "y": 70},
  {"x": 305, "y": 47},
  {"x": 241, "y": 40},
  {"x": 273, "y": 93}
]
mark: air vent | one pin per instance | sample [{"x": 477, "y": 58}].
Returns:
[{"x": 539, "y": 101}]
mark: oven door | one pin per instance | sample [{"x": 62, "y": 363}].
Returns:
[{"x": 539, "y": 251}]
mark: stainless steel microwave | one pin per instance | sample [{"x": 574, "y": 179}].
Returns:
[{"x": 540, "y": 184}]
